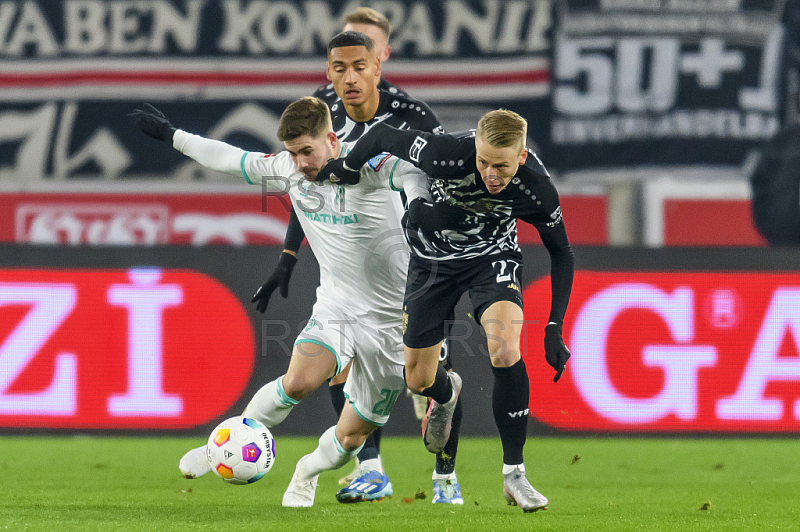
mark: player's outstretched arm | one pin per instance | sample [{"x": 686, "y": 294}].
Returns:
[
  {"x": 419, "y": 148},
  {"x": 254, "y": 167},
  {"x": 210, "y": 153}
]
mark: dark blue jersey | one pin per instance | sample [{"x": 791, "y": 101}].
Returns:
[
  {"x": 491, "y": 228},
  {"x": 450, "y": 161},
  {"x": 396, "y": 110}
]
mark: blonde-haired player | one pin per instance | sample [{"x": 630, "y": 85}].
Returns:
[{"x": 466, "y": 241}]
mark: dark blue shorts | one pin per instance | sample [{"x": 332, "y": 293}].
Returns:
[{"x": 433, "y": 289}]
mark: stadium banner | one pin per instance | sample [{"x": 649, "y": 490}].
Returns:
[
  {"x": 164, "y": 339},
  {"x": 604, "y": 84},
  {"x": 73, "y": 70},
  {"x": 241, "y": 216},
  {"x": 669, "y": 83}
]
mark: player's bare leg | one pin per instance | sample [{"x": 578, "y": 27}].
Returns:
[
  {"x": 337, "y": 446},
  {"x": 310, "y": 366},
  {"x": 421, "y": 365},
  {"x": 502, "y": 322}
]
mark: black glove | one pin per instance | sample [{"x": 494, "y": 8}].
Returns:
[
  {"x": 280, "y": 277},
  {"x": 153, "y": 123},
  {"x": 336, "y": 171},
  {"x": 555, "y": 350},
  {"x": 436, "y": 216}
]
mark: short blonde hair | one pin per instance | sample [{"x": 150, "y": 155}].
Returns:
[
  {"x": 502, "y": 128},
  {"x": 367, "y": 15},
  {"x": 306, "y": 116}
]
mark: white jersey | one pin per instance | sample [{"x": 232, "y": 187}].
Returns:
[{"x": 354, "y": 231}]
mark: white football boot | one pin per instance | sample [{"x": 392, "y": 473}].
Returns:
[
  {"x": 300, "y": 493},
  {"x": 519, "y": 492},
  {"x": 195, "y": 463},
  {"x": 439, "y": 419}
]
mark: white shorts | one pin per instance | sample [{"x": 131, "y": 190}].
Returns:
[{"x": 376, "y": 349}]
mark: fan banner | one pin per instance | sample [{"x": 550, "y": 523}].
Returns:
[{"x": 73, "y": 71}]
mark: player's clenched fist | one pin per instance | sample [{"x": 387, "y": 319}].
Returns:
[
  {"x": 336, "y": 171},
  {"x": 153, "y": 123},
  {"x": 555, "y": 350}
]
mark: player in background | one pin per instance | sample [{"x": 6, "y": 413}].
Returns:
[
  {"x": 466, "y": 241},
  {"x": 358, "y": 316},
  {"x": 378, "y": 28},
  {"x": 357, "y": 104}
]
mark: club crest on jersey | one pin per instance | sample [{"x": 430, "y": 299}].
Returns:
[
  {"x": 377, "y": 162},
  {"x": 416, "y": 148}
]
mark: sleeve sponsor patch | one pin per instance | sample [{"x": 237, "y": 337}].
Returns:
[
  {"x": 378, "y": 161},
  {"x": 416, "y": 148},
  {"x": 269, "y": 155}
]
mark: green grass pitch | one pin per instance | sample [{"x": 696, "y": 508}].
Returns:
[{"x": 109, "y": 483}]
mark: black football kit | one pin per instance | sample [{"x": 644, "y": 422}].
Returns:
[
  {"x": 481, "y": 254},
  {"x": 475, "y": 252}
]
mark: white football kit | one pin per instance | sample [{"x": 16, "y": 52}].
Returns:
[{"x": 356, "y": 235}]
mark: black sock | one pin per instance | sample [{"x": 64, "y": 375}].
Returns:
[
  {"x": 337, "y": 398},
  {"x": 442, "y": 389},
  {"x": 376, "y": 436},
  {"x": 510, "y": 406},
  {"x": 370, "y": 449},
  {"x": 446, "y": 460}
]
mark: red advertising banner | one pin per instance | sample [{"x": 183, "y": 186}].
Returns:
[
  {"x": 114, "y": 348},
  {"x": 203, "y": 219},
  {"x": 667, "y": 352},
  {"x": 143, "y": 219}
]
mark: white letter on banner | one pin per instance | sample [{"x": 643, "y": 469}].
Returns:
[
  {"x": 764, "y": 366},
  {"x": 168, "y": 21},
  {"x": 84, "y": 29},
  {"x": 680, "y": 363},
  {"x": 239, "y": 27},
  {"x": 145, "y": 300},
  {"x": 32, "y": 29},
  {"x": 52, "y": 303}
]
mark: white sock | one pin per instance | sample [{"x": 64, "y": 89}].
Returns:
[
  {"x": 329, "y": 454},
  {"x": 442, "y": 476},
  {"x": 374, "y": 464},
  {"x": 270, "y": 405},
  {"x": 510, "y": 468}
]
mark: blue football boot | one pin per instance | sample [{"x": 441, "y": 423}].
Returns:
[
  {"x": 372, "y": 485},
  {"x": 446, "y": 491}
]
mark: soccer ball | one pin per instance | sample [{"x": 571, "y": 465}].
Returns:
[{"x": 241, "y": 450}]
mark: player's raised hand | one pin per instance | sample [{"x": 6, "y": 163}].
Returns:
[
  {"x": 555, "y": 350},
  {"x": 336, "y": 171},
  {"x": 279, "y": 278},
  {"x": 153, "y": 123}
]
